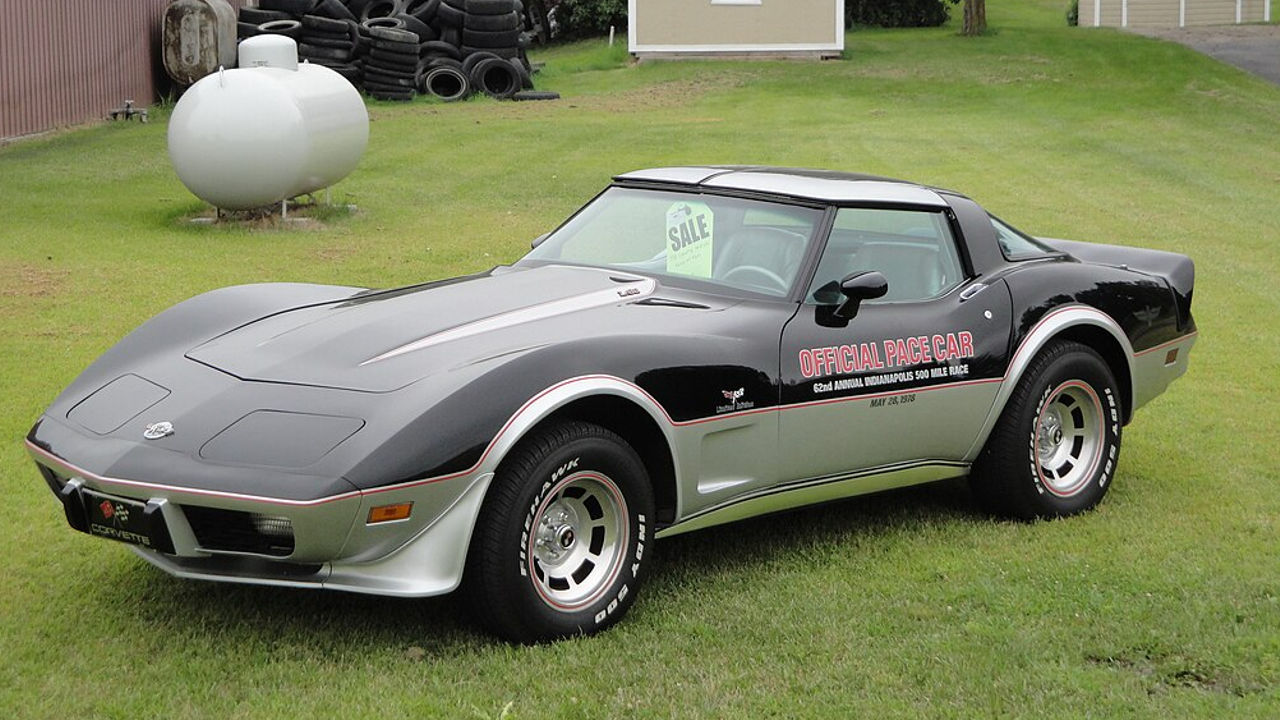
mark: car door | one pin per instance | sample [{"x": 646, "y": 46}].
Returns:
[{"x": 910, "y": 378}]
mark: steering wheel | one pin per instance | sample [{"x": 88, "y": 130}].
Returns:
[{"x": 773, "y": 277}]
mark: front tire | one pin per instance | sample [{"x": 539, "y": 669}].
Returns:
[
  {"x": 1055, "y": 448},
  {"x": 559, "y": 547}
]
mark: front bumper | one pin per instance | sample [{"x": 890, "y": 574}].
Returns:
[
  {"x": 431, "y": 563},
  {"x": 322, "y": 543}
]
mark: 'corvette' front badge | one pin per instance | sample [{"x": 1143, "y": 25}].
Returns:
[{"x": 155, "y": 431}]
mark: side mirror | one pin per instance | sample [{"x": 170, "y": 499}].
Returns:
[
  {"x": 859, "y": 286},
  {"x": 533, "y": 245}
]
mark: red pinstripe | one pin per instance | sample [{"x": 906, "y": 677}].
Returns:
[{"x": 585, "y": 378}]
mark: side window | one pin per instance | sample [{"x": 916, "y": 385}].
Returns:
[
  {"x": 914, "y": 249},
  {"x": 1015, "y": 245}
]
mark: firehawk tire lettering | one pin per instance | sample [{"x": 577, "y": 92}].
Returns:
[
  {"x": 1027, "y": 455},
  {"x": 635, "y": 572},
  {"x": 569, "y": 508}
]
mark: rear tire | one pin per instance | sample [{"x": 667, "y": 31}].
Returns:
[
  {"x": 1054, "y": 451},
  {"x": 559, "y": 548}
]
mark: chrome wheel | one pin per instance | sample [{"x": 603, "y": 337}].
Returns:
[
  {"x": 576, "y": 545},
  {"x": 1055, "y": 449},
  {"x": 1068, "y": 438}
]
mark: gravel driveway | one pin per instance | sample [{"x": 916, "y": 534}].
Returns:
[{"x": 1255, "y": 48}]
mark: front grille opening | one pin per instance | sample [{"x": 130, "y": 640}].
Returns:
[
  {"x": 238, "y": 531},
  {"x": 273, "y": 526}
]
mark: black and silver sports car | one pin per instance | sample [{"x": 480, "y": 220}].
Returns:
[{"x": 694, "y": 346}]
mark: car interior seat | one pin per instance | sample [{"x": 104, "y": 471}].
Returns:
[
  {"x": 914, "y": 271},
  {"x": 774, "y": 249}
]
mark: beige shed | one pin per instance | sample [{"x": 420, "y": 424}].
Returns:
[
  {"x": 1172, "y": 13},
  {"x": 787, "y": 28}
]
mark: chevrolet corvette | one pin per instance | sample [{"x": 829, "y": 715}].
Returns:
[{"x": 696, "y": 345}]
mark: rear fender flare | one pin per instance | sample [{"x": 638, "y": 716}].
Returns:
[{"x": 1054, "y": 323}]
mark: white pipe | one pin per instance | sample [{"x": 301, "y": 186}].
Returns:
[
  {"x": 1182, "y": 13},
  {"x": 1124, "y": 13},
  {"x": 1097, "y": 13}
]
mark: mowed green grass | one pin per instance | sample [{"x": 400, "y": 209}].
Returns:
[{"x": 1165, "y": 602}]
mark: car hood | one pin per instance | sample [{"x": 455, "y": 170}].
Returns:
[{"x": 382, "y": 341}]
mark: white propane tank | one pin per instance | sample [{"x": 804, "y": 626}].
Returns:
[{"x": 268, "y": 131}]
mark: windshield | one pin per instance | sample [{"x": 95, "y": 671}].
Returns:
[{"x": 743, "y": 244}]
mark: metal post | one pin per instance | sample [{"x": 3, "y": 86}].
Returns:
[{"x": 284, "y": 209}]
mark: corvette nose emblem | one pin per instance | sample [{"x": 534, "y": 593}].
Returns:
[{"x": 155, "y": 431}]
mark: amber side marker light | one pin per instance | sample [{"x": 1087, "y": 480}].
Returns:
[
  {"x": 389, "y": 513},
  {"x": 1171, "y": 357}
]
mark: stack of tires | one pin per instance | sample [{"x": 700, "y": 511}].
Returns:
[
  {"x": 393, "y": 49},
  {"x": 469, "y": 32},
  {"x": 391, "y": 68},
  {"x": 493, "y": 26},
  {"x": 332, "y": 42}
]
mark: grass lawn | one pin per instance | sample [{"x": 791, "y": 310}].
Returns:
[{"x": 1163, "y": 603}]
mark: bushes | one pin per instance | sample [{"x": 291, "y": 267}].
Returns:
[
  {"x": 589, "y": 18},
  {"x": 897, "y": 13}
]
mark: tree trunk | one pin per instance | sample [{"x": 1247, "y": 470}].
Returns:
[{"x": 975, "y": 17}]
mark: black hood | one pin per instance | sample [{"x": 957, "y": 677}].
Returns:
[{"x": 383, "y": 341}]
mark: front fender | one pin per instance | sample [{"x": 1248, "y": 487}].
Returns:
[
  {"x": 432, "y": 561},
  {"x": 542, "y": 405}
]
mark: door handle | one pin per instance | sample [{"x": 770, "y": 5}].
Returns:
[{"x": 972, "y": 290}]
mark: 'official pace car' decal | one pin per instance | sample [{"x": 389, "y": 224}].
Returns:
[{"x": 894, "y": 356}]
